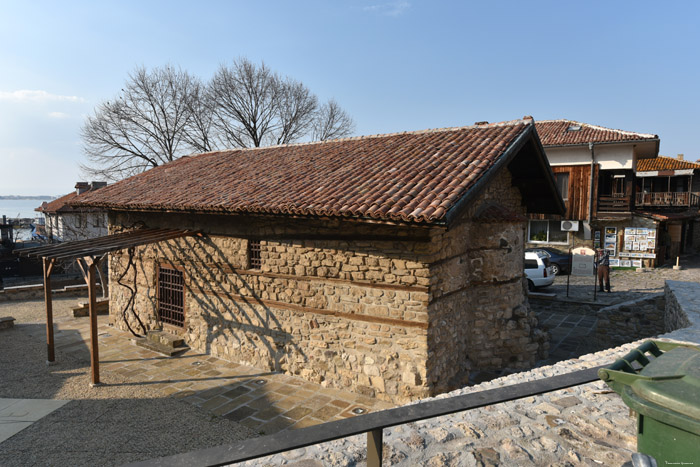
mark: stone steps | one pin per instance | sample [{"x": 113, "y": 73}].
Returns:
[
  {"x": 162, "y": 342},
  {"x": 83, "y": 309},
  {"x": 7, "y": 322}
]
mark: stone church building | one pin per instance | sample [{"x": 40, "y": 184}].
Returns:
[{"x": 391, "y": 265}]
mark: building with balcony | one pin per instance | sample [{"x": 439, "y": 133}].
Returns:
[{"x": 614, "y": 183}]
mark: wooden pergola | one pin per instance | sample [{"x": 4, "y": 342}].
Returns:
[{"x": 92, "y": 252}]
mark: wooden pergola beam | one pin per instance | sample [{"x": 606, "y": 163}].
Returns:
[
  {"x": 93, "y": 264},
  {"x": 48, "y": 268},
  {"x": 71, "y": 250},
  {"x": 92, "y": 252}
]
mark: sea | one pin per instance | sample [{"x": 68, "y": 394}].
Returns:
[{"x": 23, "y": 209}]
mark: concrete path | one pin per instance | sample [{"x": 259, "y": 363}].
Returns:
[{"x": 18, "y": 414}]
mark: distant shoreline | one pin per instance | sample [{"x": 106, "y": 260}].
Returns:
[{"x": 26, "y": 197}]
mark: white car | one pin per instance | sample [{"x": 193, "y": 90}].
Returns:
[{"x": 537, "y": 270}]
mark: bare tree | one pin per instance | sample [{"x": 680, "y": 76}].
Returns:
[
  {"x": 145, "y": 126},
  {"x": 296, "y": 112},
  {"x": 331, "y": 122},
  {"x": 256, "y": 107},
  {"x": 165, "y": 113},
  {"x": 200, "y": 133},
  {"x": 246, "y": 99}
]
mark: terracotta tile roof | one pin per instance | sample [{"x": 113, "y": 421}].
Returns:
[
  {"x": 563, "y": 132},
  {"x": 64, "y": 204},
  {"x": 58, "y": 205},
  {"x": 413, "y": 176},
  {"x": 664, "y": 163}
]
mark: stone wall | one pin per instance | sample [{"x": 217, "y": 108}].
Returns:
[
  {"x": 394, "y": 312},
  {"x": 334, "y": 312},
  {"x": 628, "y": 321},
  {"x": 479, "y": 315}
]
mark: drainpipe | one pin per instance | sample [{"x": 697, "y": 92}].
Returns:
[{"x": 591, "y": 194}]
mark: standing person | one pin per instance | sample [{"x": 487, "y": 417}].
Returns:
[{"x": 603, "y": 263}]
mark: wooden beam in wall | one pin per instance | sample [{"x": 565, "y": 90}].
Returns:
[
  {"x": 227, "y": 269},
  {"x": 304, "y": 309}
]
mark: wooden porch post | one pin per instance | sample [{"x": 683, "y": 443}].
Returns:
[
  {"x": 94, "y": 347},
  {"x": 48, "y": 268}
]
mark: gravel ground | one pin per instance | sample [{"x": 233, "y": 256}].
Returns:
[
  {"x": 116, "y": 424},
  {"x": 32, "y": 311}
]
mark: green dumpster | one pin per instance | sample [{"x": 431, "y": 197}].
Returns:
[{"x": 660, "y": 381}]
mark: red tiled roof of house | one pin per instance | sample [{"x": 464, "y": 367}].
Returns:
[
  {"x": 412, "y": 176},
  {"x": 58, "y": 205},
  {"x": 64, "y": 204},
  {"x": 570, "y": 132},
  {"x": 664, "y": 163}
]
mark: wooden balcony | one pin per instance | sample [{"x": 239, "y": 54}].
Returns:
[
  {"x": 614, "y": 203},
  {"x": 668, "y": 199}
]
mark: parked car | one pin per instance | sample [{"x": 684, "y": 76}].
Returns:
[
  {"x": 537, "y": 269},
  {"x": 559, "y": 260}
]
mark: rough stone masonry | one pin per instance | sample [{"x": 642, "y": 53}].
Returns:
[{"x": 398, "y": 312}]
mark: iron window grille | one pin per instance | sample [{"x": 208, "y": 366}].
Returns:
[
  {"x": 171, "y": 296},
  {"x": 254, "y": 258}
]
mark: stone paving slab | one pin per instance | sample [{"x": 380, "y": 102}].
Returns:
[
  {"x": 262, "y": 400},
  {"x": 571, "y": 334},
  {"x": 18, "y": 414}
]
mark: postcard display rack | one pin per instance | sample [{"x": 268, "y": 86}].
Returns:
[{"x": 639, "y": 244}]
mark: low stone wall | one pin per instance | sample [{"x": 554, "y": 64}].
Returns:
[
  {"x": 674, "y": 316},
  {"x": 35, "y": 292},
  {"x": 631, "y": 320}
]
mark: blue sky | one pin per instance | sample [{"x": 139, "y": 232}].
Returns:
[{"x": 394, "y": 66}]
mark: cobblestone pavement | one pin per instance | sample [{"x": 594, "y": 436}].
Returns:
[
  {"x": 570, "y": 333},
  {"x": 264, "y": 401}
]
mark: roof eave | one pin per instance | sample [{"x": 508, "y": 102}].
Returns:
[
  {"x": 508, "y": 155},
  {"x": 439, "y": 223},
  {"x": 597, "y": 143}
]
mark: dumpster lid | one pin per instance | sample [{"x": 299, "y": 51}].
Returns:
[{"x": 675, "y": 384}]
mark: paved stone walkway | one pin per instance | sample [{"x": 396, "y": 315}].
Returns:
[
  {"x": 264, "y": 401},
  {"x": 570, "y": 333}
]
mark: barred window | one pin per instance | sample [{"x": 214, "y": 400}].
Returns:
[
  {"x": 254, "y": 259},
  {"x": 171, "y": 296}
]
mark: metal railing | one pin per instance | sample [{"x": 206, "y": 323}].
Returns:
[
  {"x": 372, "y": 424},
  {"x": 668, "y": 199}
]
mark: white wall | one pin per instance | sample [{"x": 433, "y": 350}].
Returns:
[
  {"x": 76, "y": 226},
  {"x": 608, "y": 156}
]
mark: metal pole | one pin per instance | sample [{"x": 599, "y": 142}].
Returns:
[
  {"x": 595, "y": 279},
  {"x": 48, "y": 267},
  {"x": 568, "y": 277},
  {"x": 374, "y": 448},
  {"x": 94, "y": 351}
]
